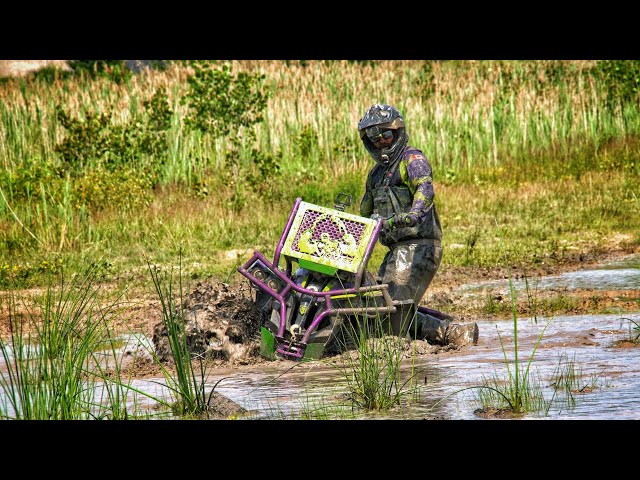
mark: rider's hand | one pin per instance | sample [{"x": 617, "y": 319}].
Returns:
[
  {"x": 398, "y": 220},
  {"x": 405, "y": 220}
]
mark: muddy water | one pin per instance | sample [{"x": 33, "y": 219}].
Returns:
[
  {"x": 609, "y": 375},
  {"x": 608, "y": 384},
  {"x": 317, "y": 390},
  {"x": 620, "y": 275}
]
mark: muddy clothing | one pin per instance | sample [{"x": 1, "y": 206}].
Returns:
[
  {"x": 405, "y": 186},
  {"x": 408, "y": 269},
  {"x": 415, "y": 252}
]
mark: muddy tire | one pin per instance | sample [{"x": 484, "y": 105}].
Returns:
[{"x": 343, "y": 337}]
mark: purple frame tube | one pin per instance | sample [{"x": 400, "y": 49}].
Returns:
[
  {"x": 326, "y": 295},
  {"x": 285, "y": 232}
]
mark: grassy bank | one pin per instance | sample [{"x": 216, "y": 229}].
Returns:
[{"x": 542, "y": 156}]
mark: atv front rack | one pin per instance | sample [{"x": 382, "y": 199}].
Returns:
[
  {"x": 332, "y": 243},
  {"x": 262, "y": 273}
]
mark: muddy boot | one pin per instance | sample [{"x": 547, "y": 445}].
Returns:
[
  {"x": 442, "y": 332},
  {"x": 460, "y": 334},
  {"x": 431, "y": 329}
]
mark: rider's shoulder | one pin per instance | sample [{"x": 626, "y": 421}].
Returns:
[{"x": 413, "y": 153}]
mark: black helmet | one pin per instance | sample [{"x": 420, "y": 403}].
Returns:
[{"x": 376, "y": 120}]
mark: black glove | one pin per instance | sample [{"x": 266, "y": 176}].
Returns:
[{"x": 398, "y": 220}]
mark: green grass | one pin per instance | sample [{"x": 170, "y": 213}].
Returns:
[
  {"x": 520, "y": 398},
  {"x": 372, "y": 370},
  {"x": 58, "y": 353},
  {"x": 535, "y": 145},
  {"x": 187, "y": 379},
  {"x": 570, "y": 379},
  {"x": 633, "y": 330},
  {"x": 520, "y": 391},
  {"x": 64, "y": 361}
]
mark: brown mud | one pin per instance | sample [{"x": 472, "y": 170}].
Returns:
[{"x": 222, "y": 323}]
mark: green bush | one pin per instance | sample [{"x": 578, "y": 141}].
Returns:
[
  {"x": 621, "y": 79},
  {"x": 123, "y": 189},
  {"x": 23, "y": 182},
  {"x": 96, "y": 142},
  {"x": 221, "y": 103}
]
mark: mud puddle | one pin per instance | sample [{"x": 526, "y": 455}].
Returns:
[
  {"x": 605, "y": 364},
  {"x": 607, "y": 370},
  {"x": 620, "y": 275},
  {"x": 606, "y": 386}
]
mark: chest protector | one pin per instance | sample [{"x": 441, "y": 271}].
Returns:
[{"x": 391, "y": 195}]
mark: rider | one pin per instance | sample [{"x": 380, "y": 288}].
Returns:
[{"x": 399, "y": 190}]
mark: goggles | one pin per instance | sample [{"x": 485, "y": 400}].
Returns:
[{"x": 375, "y": 135}]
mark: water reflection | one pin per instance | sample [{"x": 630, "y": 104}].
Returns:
[
  {"x": 620, "y": 275},
  {"x": 448, "y": 380}
]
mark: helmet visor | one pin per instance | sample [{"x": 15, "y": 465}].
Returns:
[{"x": 375, "y": 134}]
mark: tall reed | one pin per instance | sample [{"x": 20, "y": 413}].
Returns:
[
  {"x": 479, "y": 122},
  {"x": 50, "y": 354},
  {"x": 186, "y": 383},
  {"x": 373, "y": 370},
  {"x": 464, "y": 115}
]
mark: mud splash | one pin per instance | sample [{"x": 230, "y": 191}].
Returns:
[{"x": 221, "y": 323}]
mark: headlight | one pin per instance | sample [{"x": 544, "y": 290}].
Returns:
[
  {"x": 259, "y": 274},
  {"x": 274, "y": 284}
]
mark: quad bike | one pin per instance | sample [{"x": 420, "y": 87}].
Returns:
[{"x": 304, "y": 310}]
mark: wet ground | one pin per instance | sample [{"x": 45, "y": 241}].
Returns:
[
  {"x": 596, "y": 348},
  {"x": 618, "y": 275},
  {"x": 609, "y": 375}
]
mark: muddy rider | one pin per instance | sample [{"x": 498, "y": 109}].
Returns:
[{"x": 399, "y": 189}]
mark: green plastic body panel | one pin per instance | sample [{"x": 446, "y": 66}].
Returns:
[
  {"x": 267, "y": 344},
  {"x": 317, "y": 267},
  {"x": 313, "y": 351}
]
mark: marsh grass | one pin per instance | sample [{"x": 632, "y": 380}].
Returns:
[
  {"x": 518, "y": 398},
  {"x": 58, "y": 350},
  {"x": 186, "y": 383},
  {"x": 309, "y": 407},
  {"x": 372, "y": 371},
  {"x": 314, "y": 407},
  {"x": 570, "y": 380},
  {"x": 540, "y": 133},
  {"x": 633, "y": 330},
  {"x": 521, "y": 391},
  {"x": 125, "y": 401}
]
